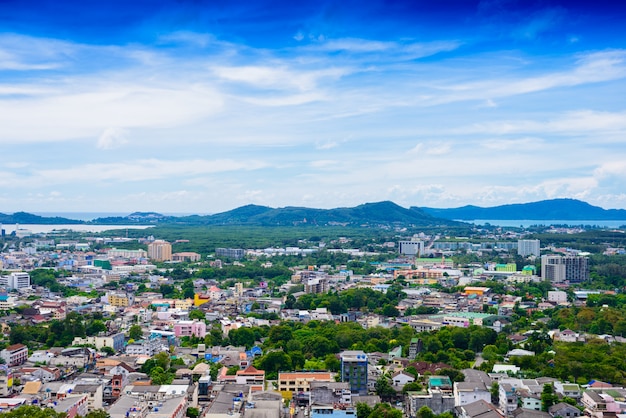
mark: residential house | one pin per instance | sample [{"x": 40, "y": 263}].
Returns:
[{"x": 564, "y": 410}]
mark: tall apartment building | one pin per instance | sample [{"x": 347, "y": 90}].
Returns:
[
  {"x": 316, "y": 285},
  {"x": 354, "y": 370},
  {"x": 160, "y": 250},
  {"x": 15, "y": 280},
  {"x": 527, "y": 247},
  {"x": 412, "y": 248},
  {"x": 234, "y": 253},
  {"x": 559, "y": 268}
]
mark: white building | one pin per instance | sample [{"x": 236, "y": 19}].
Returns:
[
  {"x": 15, "y": 280},
  {"x": 557, "y": 296},
  {"x": 412, "y": 248},
  {"x": 526, "y": 247}
]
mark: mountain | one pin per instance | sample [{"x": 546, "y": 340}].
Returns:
[
  {"x": 29, "y": 218},
  {"x": 545, "y": 210},
  {"x": 369, "y": 214}
]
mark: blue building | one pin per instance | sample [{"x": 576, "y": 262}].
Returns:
[{"x": 354, "y": 370}]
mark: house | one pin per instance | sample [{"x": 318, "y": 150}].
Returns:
[
  {"x": 597, "y": 404},
  {"x": 478, "y": 409},
  {"x": 469, "y": 392},
  {"x": 401, "y": 378},
  {"x": 529, "y": 413},
  {"x": 564, "y": 410},
  {"x": 47, "y": 374}
]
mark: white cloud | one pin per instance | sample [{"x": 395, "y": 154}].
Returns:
[{"x": 112, "y": 138}]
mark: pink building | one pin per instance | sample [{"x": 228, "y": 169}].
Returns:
[{"x": 190, "y": 328}]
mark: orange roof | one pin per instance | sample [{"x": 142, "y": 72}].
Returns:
[{"x": 306, "y": 375}]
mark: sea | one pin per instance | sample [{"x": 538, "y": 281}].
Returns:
[{"x": 525, "y": 223}]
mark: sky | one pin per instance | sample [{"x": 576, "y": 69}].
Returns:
[{"x": 197, "y": 106}]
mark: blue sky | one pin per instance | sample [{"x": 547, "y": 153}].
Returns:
[{"x": 204, "y": 106}]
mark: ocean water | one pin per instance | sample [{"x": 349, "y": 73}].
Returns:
[{"x": 525, "y": 223}]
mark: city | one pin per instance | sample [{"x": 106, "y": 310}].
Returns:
[{"x": 426, "y": 324}]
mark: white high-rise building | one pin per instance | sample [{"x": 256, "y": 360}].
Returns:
[
  {"x": 526, "y": 247},
  {"x": 15, "y": 280},
  {"x": 412, "y": 248}
]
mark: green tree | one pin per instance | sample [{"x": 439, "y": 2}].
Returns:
[
  {"x": 425, "y": 412},
  {"x": 363, "y": 410},
  {"x": 197, "y": 314},
  {"x": 98, "y": 413},
  {"x": 384, "y": 389},
  {"x": 548, "y": 397},
  {"x": 193, "y": 412},
  {"x": 135, "y": 332}
]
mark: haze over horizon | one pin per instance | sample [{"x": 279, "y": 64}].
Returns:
[{"x": 205, "y": 106}]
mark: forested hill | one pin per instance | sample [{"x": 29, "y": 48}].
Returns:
[
  {"x": 368, "y": 214},
  {"x": 555, "y": 209},
  {"x": 29, "y": 218}
]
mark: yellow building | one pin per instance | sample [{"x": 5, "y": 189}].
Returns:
[
  {"x": 120, "y": 300},
  {"x": 184, "y": 304},
  {"x": 300, "y": 381},
  {"x": 200, "y": 298}
]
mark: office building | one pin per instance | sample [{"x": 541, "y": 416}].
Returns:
[
  {"x": 354, "y": 370},
  {"x": 160, "y": 250},
  {"x": 528, "y": 247}
]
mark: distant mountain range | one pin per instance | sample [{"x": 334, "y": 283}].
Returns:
[
  {"x": 369, "y": 214},
  {"x": 545, "y": 210}
]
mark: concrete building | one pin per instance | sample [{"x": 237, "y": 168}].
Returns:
[
  {"x": 14, "y": 355},
  {"x": 121, "y": 299},
  {"x": 557, "y": 296},
  {"x": 300, "y": 381},
  {"x": 15, "y": 280},
  {"x": 115, "y": 341},
  {"x": 316, "y": 285},
  {"x": 136, "y": 254},
  {"x": 571, "y": 268},
  {"x": 411, "y": 248},
  {"x": 528, "y": 247},
  {"x": 234, "y": 253},
  {"x": 354, "y": 370},
  {"x": 160, "y": 250},
  {"x": 190, "y": 328}
]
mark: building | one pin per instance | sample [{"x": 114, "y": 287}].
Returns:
[
  {"x": 300, "y": 381},
  {"x": 136, "y": 254},
  {"x": 186, "y": 257},
  {"x": 190, "y": 328},
  {"x": 354, "y": 370},
  {"x": 115, "y": 341},
  {"x": 557, "y": 296},
  {"x": 528, "y": 247},
  {"x": 160, "y": 250},
  {"x": 121, "y": 300},
  {"x": 234, "y": 253},
  {"x": 15, "y": 280},
  {"x": 14, "y": 355},
  {"x": 316, "y": 285},
  {"x": 570, "y": 268},
  {"x": 411, "y": 248}
]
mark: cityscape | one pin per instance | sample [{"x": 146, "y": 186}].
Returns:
[{"x": 330, "y": 209}]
